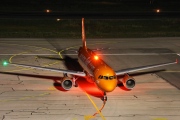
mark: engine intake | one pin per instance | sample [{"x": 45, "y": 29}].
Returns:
[
  {"x": 128, "y": 82},
  {"x": 66, "y": 83}
]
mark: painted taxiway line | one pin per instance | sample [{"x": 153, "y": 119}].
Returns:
[
  {"x": 28, "y": 54},
  {"x": 95, "y": 106},
  {"x": 171, "y": 71},
  {"x": 142, "y": 54}
]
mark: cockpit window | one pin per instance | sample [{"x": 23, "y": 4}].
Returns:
[{"x": 107, "y": 77}]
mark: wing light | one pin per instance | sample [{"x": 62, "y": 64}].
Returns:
[{"x": 5, "y": 63}]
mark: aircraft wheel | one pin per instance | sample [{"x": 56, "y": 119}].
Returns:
[{"x": 104, "y": 98}]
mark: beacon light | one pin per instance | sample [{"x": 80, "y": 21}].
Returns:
[{"x": 96, "y": 57}]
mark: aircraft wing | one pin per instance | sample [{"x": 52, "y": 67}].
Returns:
[
  {"x": 130, "y": 70},
  {"x": 78, "y": 73}
]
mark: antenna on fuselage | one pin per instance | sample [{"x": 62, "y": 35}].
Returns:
[{"x": 83, "y": 34}]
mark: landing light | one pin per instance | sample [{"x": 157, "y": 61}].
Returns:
[
  {"x": 96, "y": 57},
  {"x": 158, "y": 10},
  {"x": 58, "y": 19},
  {"x": 47, "y": 10}
]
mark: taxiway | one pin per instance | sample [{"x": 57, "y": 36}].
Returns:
[{"x": 29, "y": 94}]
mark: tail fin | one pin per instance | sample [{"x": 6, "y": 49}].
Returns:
[{"x": 83, "y": 34}]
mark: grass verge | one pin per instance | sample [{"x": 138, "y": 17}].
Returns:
[{"x": 18, "y": 28}]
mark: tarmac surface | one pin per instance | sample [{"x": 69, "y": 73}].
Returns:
[{"x": 30, "y": 94}]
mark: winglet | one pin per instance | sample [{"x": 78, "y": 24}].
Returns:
[
  {"x": 177, "y": 61},
  {"x": 83, "y": 34}
]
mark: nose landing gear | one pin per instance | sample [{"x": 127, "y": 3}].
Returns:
[{"x": 104, "y": 98}]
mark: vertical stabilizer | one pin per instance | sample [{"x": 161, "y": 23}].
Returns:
[{"x": 83, "y": 34}]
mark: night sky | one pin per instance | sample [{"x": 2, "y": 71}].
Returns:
[{"x": 88, "y": 5}]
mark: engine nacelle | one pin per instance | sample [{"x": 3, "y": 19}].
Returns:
[
  {"x": 128, "y": 82},
  {"x": 66, "y": 83}
]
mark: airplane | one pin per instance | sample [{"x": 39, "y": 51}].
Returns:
[{"x": 95, "y": 70}]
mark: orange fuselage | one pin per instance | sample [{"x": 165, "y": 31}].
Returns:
[{"x": 96, "y": 69}]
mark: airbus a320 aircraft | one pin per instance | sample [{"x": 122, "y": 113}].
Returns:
[{"x": 96, "y": 70}]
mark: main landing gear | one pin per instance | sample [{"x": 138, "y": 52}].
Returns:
[{"x": 74, "y": 81}]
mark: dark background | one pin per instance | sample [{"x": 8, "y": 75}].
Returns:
[
  {"x": 90, "y": 8},
  {"x": 119, "y": 18},
  {"x": 88, "y": 5}
]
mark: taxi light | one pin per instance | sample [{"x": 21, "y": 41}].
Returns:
[
  {"x": 96, "y": 57},
  {"x": 58, "y": 19},
  {"x": 47, "y": 11},
  {"x": 157, "y": 10}
]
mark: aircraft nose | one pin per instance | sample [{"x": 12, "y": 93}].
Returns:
[{"x": 108, "y": 86}]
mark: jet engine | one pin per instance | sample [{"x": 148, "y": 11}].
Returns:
[
  {"x": 128, "y": 82},
  {"x": 66, "y": 83}
]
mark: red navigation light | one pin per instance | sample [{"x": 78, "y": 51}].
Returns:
[{"x": 96, "y": 57}]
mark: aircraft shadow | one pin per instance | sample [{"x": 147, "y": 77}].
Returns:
[
  {"x": 89, "y": 88},
  {"x": 69, "y": 62},
  {"x": 84, "y": 85}
]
